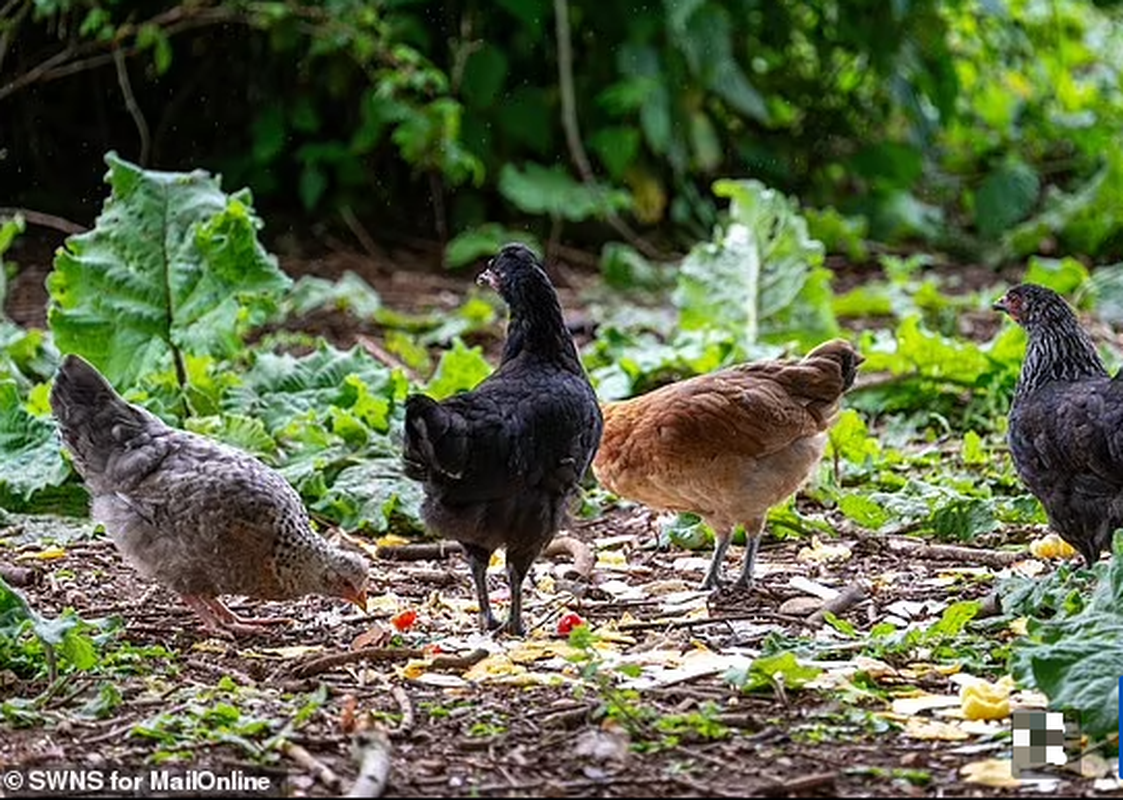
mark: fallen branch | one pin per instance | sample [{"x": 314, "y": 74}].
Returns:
[
  {"x": 371, "y": 749},
  {"x": 44, "y": 220},
  {"x": 319, "y": 770},
  {"x": 850, "y": 596},
  {"x": 325, "y": 663},
  {"x": 950, "y": 552},
  {"x": 406, "y": 705},
  {"x": 581, "y": 553},
  {"x": 798, "y": 786},
  {"x": 423, "y": 551}
]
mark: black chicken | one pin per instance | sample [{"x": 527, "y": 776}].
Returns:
[
  {"x": 500, "y": 463},
  {"x": 1066, "y": 422}
]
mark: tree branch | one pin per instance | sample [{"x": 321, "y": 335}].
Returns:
[
  {"x": 573, "y": 132},
  {"x": 132, "y": 106}
]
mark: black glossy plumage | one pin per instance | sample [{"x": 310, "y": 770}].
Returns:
[
  {"x": 1066, "y": 422},
  {"x": 500, "y": 463}
]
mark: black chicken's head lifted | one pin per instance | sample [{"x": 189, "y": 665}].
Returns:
[
  {"x": 516, "y": 274},
  {"x": 1033, "y": 306}
]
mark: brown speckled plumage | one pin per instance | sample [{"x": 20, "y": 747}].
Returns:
[{"x": 199, "y": 517}]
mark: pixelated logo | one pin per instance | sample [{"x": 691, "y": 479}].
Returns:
[{"x": 1044, "y": 740}]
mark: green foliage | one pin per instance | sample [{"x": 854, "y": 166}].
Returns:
[
  {"x": 485, "y": 240},
  {"x": 761, "y": 277},
  {"x": 1074, "y": 656},
  {"x": 553, "y": 193},
  {"x": 779, "y": 671},
  {"x": 33, "y": 646},
  {"x": 172, "y": 267},
  {"x": 758, "y": 284},
  {"x": 987, "y": 127},
  {"x": 31, "y": 459},
  {"x": 9, "y": 230}
]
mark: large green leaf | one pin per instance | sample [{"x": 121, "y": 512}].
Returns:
[
  {"x": 32, "y": 460},
  {"x": 1075, "y": 658},
  {"x": 1006, "y": 196},
  {"x": 552, "y": 191},
  {"x": 173, "y": 264},
  {"x": 762, "y": 277},
  {"x": 281, "y": 389}
]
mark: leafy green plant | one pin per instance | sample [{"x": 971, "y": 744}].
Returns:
[
  {"x": 1074, "y": 655},
  {"x": 173, "y": 267},
  {"x": 777, "y": 672},
  {"x": 33, "y": 645}
]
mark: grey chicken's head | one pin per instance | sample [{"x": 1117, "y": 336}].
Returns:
[
  {"x": 1033, "y": 307},
  {"x": 517, "y": 275},
  {"x": 343, "y": 574}
]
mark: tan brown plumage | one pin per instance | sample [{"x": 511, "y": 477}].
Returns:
[{"x": 728, "y": 445}]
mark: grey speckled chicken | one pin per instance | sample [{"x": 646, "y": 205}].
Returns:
[
  {"x": 200, "y": 518},
  {"x": 500, "y": 463}
]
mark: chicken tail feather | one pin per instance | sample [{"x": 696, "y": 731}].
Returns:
[
  {"x": 435, "y": 440},
  {"x": 95, "y": 422}
]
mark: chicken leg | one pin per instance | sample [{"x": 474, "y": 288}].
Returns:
[
  {"x": 478, "y": 559},
  {"x": 753, "y": 531},
  {"x": 219, "y": 619}
]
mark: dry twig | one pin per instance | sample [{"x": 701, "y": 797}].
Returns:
[
  {"x": 371, "y": 749},
  {"x": 850, "y": 596},
  {"x": 319, "y": 770}
]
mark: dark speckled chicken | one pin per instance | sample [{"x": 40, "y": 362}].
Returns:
[
  {"x": 500, "y": 463},
  {"x": 200, "y": 518},
  {"x": 1066, "y": 422}
]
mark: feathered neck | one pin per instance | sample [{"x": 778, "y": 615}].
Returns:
[
  {"x": 1058, "y": 350},
  {"x": 536, "y": 327}
]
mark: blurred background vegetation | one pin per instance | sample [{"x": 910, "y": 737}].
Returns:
[{"x": 990, "y": 129}]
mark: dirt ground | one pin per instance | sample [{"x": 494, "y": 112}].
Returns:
[{"x": 521, "y": 721}]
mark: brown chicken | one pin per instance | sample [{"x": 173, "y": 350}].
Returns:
[{"x": 728, "y": 445}]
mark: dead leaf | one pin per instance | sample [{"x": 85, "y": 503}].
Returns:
[
  {"x": 377, "y": 635},
  {"x": 993, "y": 772},
  {"x": 819, "y": 553},
  {"x": 1051, "y": 547},
  {"x": 807, "y": 586},
  {"x": 930, "y": 729},
  {"x": 51, "y": 553},
  {"x": 983, "y": 700}
]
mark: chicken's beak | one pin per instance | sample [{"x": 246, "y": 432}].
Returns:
[
  {"x": 359, "y": 598},
  {"x": 488, "y": 278},
  {"x": 1000, "y": 305}
]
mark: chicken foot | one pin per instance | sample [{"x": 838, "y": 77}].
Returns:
[
  {"x": 219, "y": 619},
  {"x": 714, "y": 579}
]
